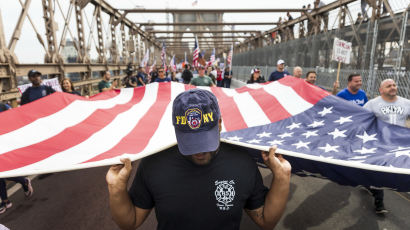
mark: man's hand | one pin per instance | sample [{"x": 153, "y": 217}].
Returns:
[
  {"x": 118, "y": 175},
  {"x": 277, "y": 164}
]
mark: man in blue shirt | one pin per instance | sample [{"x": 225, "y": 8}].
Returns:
[
  {"x": 353, "y": 92},
  {"x": 280, "y": 71},
  {"x": 37, "y": 90},
  {"x": 161, "y": 76},
  {"x": 356, "y": 95}
]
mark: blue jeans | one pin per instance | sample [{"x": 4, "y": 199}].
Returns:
[
  {"x": 226, "y": 83},
  {"x": 3, "y": 189}
]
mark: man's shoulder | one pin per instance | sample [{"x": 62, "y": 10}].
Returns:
[
  {"x": 342, "y": 92},
  {"x": 236, "y": 153},
  {"x": 160, "y": 157}
]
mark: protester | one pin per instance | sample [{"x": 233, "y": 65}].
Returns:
[
  {"x": 353, "y": 92},
  {"x": 209, "y": 72},
  {"x": 24, "y": 181},
  {"x": 105, "y": 84},
  {"x": 153, "y": 73},
  {"x": 356, "y": 95},
  {"x": 390, "y": 107},
  {"x": 202, "y": 183},
  {"x": 291, "y": 27},
  {"x": 255, "y": 77},
  {"x": 161, "y": 76},
  {"x": 359, "y": 19},
  {"x": 227, "y": 77},
  {"x": 311, "y": 77},
  {"x": 187, "y": 74},
  {"x": 219, "y": 79},
  {"x": 141, "y": 77},
  {"x": 297, "y": 72},
  {"x": 201, "y": 79},
  {"x": 280, "y": 71},
  {"x": 130, "y": 81},
  {"x": 394, "y": 110},
  {"x": 67, "y": 87},
  {"x": 37, "y": 90}
]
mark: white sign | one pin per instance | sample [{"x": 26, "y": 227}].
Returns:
[
  {"x": 50, "y": 82},
  {"x": 341, "y": 51}
]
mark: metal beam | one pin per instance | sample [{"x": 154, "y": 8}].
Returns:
[
  {"x": 143, "y": 10},
  {"x": 207, "y": 37},
  {"x": 324, "y": 9},
  {"x": 203, "y": 31},
  {"x": 204, "y": 23}
]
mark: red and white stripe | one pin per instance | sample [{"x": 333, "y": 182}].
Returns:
[{"x": 65, "y": 132}]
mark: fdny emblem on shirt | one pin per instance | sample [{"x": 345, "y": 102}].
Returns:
[
  {"x": 224, "y": 194},
  {"x": 194, "y": 118}
]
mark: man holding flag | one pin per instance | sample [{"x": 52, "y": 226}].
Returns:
[
  {"x": 394, "y": 110},
  {"x": 198, "y": 185}
]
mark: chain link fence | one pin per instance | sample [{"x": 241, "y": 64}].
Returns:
[{"x": 380, "y": 50}]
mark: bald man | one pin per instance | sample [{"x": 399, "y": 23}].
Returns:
[
  {"x": 388, "y": 106},
  {"x": 392, "y": 109},
  {"x": 297, "y": 72}
]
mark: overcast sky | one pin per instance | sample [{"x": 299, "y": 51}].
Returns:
[{"x": 29, "y": 50}]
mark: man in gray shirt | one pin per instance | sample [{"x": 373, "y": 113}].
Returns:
[
  {"x": 388, "y": 106},
  {"x": 392, "y": 109}
]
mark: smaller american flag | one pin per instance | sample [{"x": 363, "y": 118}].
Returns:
[
  {"x": 151, "y": 68},
  {"x": 145, "y": 60},
  {"x": 196, "y": 53},
  {"x": 172, "y": 64},
  {"x": 212, "y": 58}
]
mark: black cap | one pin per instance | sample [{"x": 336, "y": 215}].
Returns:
[{"x": 33, "y": 73}]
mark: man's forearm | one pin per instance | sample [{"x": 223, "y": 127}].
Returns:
[
  {"x": 275, "y": 201},
  {"x": 122, "y": 209}
]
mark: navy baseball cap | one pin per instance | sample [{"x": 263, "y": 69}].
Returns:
[
  {"x": 195, "y": 116},
  {"x": 33, "y": 73}
]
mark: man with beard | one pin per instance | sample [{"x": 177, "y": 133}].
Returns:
[{"x": 200, "y": 183}]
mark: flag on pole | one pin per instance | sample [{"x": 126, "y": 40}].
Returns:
[
  {"x": 185, "y": 62},
  {"x": 212, "y": 58},
  {"x": 151, "y": 68},
  {"x": 172, "y": 64},
  {"x": 145, "y": 60},
  {"x": 163, "y": 56},
  {"x": 195, "y": 55},
  {"x": 320, "y": 134}
]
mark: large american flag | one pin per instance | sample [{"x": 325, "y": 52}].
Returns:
[
  {"x": 320, "y": 134},
  {"x": 195, "y": 55}
]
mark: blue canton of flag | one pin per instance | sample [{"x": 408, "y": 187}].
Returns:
[{"x": 337, "y": 140}]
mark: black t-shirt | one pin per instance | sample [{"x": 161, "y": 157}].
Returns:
[{"x": 188, "y": 196}]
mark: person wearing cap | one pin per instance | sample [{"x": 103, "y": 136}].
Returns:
[
  {"x": 161, "y": 76},
  {"x": 201, "y": 79},
  {"x": 105, "y": 84},
  {"x": 255, "y": 77},
  {"x": 130, "y": 81},
  {"x": 37, "y": 90},
  {"x": 201, "y": 183},
  {"x": 280, "y": 71}
]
